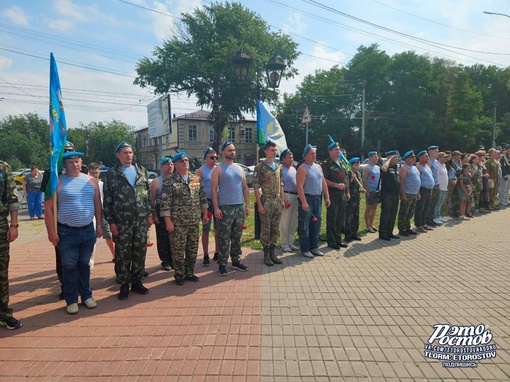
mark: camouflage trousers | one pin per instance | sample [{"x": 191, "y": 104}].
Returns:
[
  {"x": 184, "y": 242},
  {"x": 335, "y": 217},
  {"x": 230, "y": 232},
  {"x": 406, "y": 212},
  {"x": 352, "y": 218},
  {"x": 130, "y": 250},
  {"x": 389, "y": 208},
  {"x": 5, "y": 312},
  {"x": 270, "y": 220},
  {"x": 429, "y": 208}
]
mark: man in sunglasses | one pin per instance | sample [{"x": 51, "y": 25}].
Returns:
[{"x": 410, "y": 184}]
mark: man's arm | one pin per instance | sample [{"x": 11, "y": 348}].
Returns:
[
  {"x": 246, "y": 193},
  {"x": 98, "y": 210},
  {"x": 215, "y": 179},
  {"x": 300, "y": 182},
  {"x": 256, "y": 188},
  {"x": 364, "y": 178},
  {"x": 403, "y": 173}
]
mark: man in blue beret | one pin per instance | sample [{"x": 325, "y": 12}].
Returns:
[
  {"x": 431, "y": 217},
  {"x": 390, "y": 192},
  {"x": 289, "y": 218},
  {"x": 427, "y": 184},
  {"x": 337, "y": 181},
  {"x": 371, "y": 182},
  {"x": 410, "y": 184},
  {"x": 183, "y": 206},
  {"x": 128, "y": 210},
  {"x": 228, "y": 189}
]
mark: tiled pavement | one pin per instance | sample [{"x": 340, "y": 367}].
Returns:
[{"x": 361, "y": 314}]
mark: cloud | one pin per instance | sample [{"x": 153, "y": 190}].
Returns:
[
  {"x": 60, "y": 25},
  {"x": 5, "y": 63},
  {"x": 16, "y": 15},
  {"x": 295, "y": 23},
  {"x": 164, "y": 25}
]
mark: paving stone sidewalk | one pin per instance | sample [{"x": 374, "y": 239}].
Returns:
[{"x": 361, "y": 314}]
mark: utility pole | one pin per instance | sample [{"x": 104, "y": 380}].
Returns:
[
  {"x": 494, "y": 126},
  {"x": 363, "y": 107}
]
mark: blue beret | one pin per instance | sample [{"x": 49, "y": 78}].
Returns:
[
  {"x": 207, "y": 151},
  {"x": 284, "y": 153},
  {"x": 225, "y": 145},
  {"x": 308, "y": 148},
  {"x": 408, "y": 154},
  {"x": 333, "y": 145},
  {"x": 121, "y": 146},
  {"x": 354, "y": 160},
  {"x": 481, "y": 147},
  {"x": 372, "y": 153},
  {"x": 179, "y": 156},
  {"x": 422, "y": 152},
  {"x": 432, "y": 148},
  {"x": 392, "y": 152},
  {"x": 268, "y": 143},
  {"x": 165, "y": 160},
  {"x": 72, "y": 155}
]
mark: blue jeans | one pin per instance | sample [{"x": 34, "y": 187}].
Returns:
[
  {"x": 440, "y": 201},
  {"x": 34, "y": 202},
  {"x": 307, "y": 228},
  {"x": 76, "y": 246}
]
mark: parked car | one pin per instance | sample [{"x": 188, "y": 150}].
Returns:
[{"x": 249, "y": 174}]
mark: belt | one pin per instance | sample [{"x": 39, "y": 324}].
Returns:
[
  {"x": 313, "y": 196},
  {"x": 291, "y": 192},
  {"x": 68, "y": 226}
]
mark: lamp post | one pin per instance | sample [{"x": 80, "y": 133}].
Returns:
[{"x": 274, "y": 71}]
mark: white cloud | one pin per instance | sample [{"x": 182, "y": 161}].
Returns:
[
  {"x": 16, "y": 15},
  {"x": 60, "y": 25},
  {"x": 295, "y": 23},
  {"x": 164, "y": 25},
  {"x": 5, "y": 63}
]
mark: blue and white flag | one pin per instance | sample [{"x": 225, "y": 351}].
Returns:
[
  {"x": 58, "y": 129},
  {"x": 268, "y": 127}
]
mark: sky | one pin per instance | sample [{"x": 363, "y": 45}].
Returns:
[{"x": 97, "y": 44}]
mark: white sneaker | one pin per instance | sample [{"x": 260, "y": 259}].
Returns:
[
  {"x": 449, "y": 218},
  {"x": 444, "y": 219},
  {"x": 72, "y": 308},
  {"x": 294, "y": 247},
  {"x": 286, "y": 248},
  {"x": 438, "y": 221},
  {"x": 316, "y": 252},
  {"x": 307, "y": 254},
  {"x": 90, "y": 303}
]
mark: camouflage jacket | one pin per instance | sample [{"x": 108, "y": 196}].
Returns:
[
  {"x": 123, "y": 203},
  {"x": 8, "y": 197},
  {"x": 493, "y": 169},
  {"x": 182, "y": 201},
  {"x": 354, "y": 187},
  {"x": 267, "y": 179},
  {"x": 336, "y": 174}
]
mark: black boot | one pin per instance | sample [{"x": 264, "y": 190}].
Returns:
[
  {"x": 267, "y": 258},
  {"x": 272, "y": 255}
]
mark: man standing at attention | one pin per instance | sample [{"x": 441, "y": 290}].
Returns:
[
  {"x": 310, "y": 183},
  {"x": 338, "y": 188},
  {"x": 430, "y": 214},
  {"x": 228, "y": 187},
  {"x": 390, "y": 192},
  {"x": 505, "y": 172},
  {"x": 493, "y": 166},
  {"x": 268, "y": 177},
  {"x": 409, "y": 193},
  {"x": 427, "y": 184},
  {"x": 371, "y": 176},
  {"x": 8, "y": 233},
  {"x": 289, "y": 219},
  {"x": 204, "y": 172},
  {"x": 127, "y": 209},
  {"x": 183, "y": 205}
]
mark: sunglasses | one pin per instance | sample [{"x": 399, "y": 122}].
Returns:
[{"x": 213, "y": 157}]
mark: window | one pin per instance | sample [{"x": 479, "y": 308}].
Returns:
[
  {"x": 211, "y": 134},
  {"x": 248, "y": 134},
  {"x": 192, "y": 133},
  {"x": 232, "y": 134}
]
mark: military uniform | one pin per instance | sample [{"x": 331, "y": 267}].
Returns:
[
  {"x": 8, "y": 203},
  {"x": 390, "y": 194},
  {"x": 493, "y": 170},
  {"x": 183, "y": 202},
  {"x": 336, "y": 173},
  {"x": 476, "y": 179},
  {"x": 270, "y": 182},
  {"x": 352, "y": 214},
  {"x": 129, "y": 208}
]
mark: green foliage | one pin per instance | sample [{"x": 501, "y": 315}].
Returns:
[{"x": 197, "y": 61}]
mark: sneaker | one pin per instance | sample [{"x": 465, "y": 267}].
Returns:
[
  {"x": 294, "y": 247},
  {"x": 179, "y": 281},
  {"x": 222, "y": 270},
  {"x": 124, "y": 292},
  {"x": 391, "y": 236},
  {"x": 332, "y": 245},
  {"x": 215, "y": 257},
  {"x": 286, "y": 248},
  {"x": 90, "y": 303},
  {"x": 193, "y": 278},
  {"x": 137, "y": 286},
  {"x": 240, "y": 267},
  {"x": 438, "y": 221},
  {"x": 206, "y": 261},
  {"x": 307, "y": 254},
  {"x": 166, "y": 267},
  {"x": 72, "y": 308},
  {"x": 316, "y": 252},
  {"x": 444, "y": 219},
  {"x": 11, "y": 323},
  {"x": 403, "y": 233},
  {"x": 421, "y": 229}
]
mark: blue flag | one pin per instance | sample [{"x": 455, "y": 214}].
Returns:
[
  {"x": 268, "y": 127},
  {"x": 58, "y": 129}
]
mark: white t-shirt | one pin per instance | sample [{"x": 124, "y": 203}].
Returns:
[{"x": 443, "y": 177}]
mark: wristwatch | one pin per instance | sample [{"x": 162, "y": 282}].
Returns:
[{"x": 15, "y": 225}]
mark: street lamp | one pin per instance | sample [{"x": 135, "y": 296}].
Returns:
[
  {"x": 274, "y": 70},
  {"x": 241, "y": 62}
]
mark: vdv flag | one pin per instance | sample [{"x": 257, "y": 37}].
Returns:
[
  {"x": 268, "y": 127},
  {"x": 58, "y": 129}
]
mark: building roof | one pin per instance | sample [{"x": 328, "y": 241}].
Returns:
[{"x": 203, "y": 115}]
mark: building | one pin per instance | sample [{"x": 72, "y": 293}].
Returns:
[{"x": 193, "y": 132}]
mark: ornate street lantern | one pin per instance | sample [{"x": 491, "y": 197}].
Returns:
[
  {"x": 241, "y": 62},
  {"x": 274, "y": 71}
]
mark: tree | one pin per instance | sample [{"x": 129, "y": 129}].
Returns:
[{"x": 197, "y": 61}]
